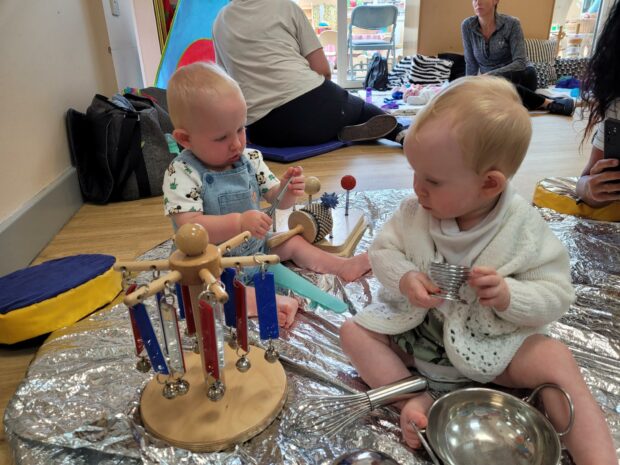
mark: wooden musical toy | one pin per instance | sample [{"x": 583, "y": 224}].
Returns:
[
  {"x": 338, "y": 234},
  {"x": 313, "y": 186},
  {"x": 221, "y": 395},
  {"x": 347, "y": 182},
  {"x": 314, "y": 222}
]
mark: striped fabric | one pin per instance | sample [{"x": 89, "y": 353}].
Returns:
[
  {"x": 541, "y": 54},
  {"x": 420, "y": 69}
]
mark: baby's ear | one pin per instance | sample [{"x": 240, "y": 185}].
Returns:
[
  {"x": 182, "y": 137},
  {"x": 494, "y": 183}
]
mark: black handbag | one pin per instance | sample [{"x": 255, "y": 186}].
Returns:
[{"x": 120, "y": 153}]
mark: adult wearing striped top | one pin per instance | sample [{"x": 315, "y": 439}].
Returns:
[{"x": 493, "y": 44}]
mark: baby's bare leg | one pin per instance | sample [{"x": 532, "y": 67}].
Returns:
[
  {"x": 306, "y": 255},
  {"x": 379, "y": 362},
  {"x": 544, "y": 360},
  {"x": 287, "y": 307},
  {"x": 372, "y": 355}
]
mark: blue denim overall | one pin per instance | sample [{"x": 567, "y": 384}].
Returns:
[{"x": 231, "y": 191}]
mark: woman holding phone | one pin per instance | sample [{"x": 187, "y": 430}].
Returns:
[{"x": 599, "y": 184}]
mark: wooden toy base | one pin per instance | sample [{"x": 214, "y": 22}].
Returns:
[
  {"x": 346, "y": 233},
  {"x": 252, "y": 401}
]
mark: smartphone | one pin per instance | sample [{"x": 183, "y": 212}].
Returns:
[{"x": 612, "y": 140}]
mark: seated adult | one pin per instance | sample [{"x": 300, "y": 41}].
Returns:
[
  {"x": 598, "y": 186},
  {"x": 271, "y": 50},
  {"x": 493, "y": 44}
]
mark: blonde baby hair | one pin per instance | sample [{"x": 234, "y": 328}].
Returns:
[
  {"x": 192, "y": 87},
  {"x": 491, "y": 125}
]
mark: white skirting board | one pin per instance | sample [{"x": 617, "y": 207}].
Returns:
[{"x": 26, "y": 232}]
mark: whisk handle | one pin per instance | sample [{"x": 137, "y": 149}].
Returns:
[{"x": 396, "y": 391}]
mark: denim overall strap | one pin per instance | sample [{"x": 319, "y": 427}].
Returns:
[{"x": 232, "y": 191}]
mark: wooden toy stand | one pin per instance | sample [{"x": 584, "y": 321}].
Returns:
[{"x": 252, "y": 399}]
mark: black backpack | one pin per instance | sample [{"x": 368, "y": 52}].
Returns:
[
  {"x": 120, "y": 154},
  {"x": 377, "y": 75}
]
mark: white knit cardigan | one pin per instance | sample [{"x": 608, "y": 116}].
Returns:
[{"x": 479, "y": 341}]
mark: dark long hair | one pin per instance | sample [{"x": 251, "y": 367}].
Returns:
[{"x": 601, "y": 82}]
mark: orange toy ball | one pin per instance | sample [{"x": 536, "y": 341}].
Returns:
[{"x": 348, "y": 182}]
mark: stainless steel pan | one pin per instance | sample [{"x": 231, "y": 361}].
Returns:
[{"x": 480, "y": 426}]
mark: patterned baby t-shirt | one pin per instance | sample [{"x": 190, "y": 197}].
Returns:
[{"x": 183, "y": 185}]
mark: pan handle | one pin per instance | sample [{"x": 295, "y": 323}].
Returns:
[
  {"x": 427, "y": 446},
  {"x": 571, "y": 410}
]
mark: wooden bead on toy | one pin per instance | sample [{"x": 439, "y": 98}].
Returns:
[
  {"x": 313, "y": 185},
  {"x": 191, "y": 239}
]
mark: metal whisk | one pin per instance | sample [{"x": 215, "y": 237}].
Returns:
[{"x": 324, "y": 416}]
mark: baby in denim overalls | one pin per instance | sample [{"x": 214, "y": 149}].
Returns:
[{"x": 218, "y": 183}]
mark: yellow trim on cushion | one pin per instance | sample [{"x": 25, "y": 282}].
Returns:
[
  {"x": 62, "y": 310},
  {"x": 564, "y": 204}
]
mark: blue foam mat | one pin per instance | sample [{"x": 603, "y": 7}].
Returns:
[{"x": 290, "y": 154}]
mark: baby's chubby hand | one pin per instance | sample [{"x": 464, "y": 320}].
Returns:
[
  {"x": 255, "y": 221},
  {"x": 298, "y": 183},
  {"x": 418, "y": 288},
  {"x": 491, "y": 288}
]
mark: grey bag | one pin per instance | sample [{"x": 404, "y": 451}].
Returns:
[
  {"x": 120, "y": 148},
  {"x": 155, "y": 123}
]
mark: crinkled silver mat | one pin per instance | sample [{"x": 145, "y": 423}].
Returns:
[{"x": 78, "y": 402}]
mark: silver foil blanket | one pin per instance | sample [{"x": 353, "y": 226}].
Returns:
[{"x": 78, "y": 402}]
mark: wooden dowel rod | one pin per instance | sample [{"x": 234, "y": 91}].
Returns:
[
  {"x": 142, "y": 266},
  {"x": 234, "y": 242},
  {"x": 285, "y": 236},
  {"x": 213, "y": 286},
  {"x": 250, "y": 261},
  {"x": 152, "y": 288}
]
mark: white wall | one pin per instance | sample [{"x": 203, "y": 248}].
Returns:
[
  {"x": 123, "y": 37},
  {"x": 148, "y": 40},
  {"x": 54, "y": 55}
]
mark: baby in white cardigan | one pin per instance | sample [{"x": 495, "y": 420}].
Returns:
[{"x": 464, "y": 147}]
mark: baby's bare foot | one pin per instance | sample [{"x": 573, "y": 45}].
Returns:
[
  {"x": 414, "y": 410},
  {"x": 287, "y": 307},
  {"x": 355, "y": 267}
]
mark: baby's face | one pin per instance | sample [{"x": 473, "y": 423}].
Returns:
[
  {"x": 217, "y": 134},
  {"x": 445, "y": 187}
]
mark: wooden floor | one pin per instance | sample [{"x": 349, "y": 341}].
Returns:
[{"x": 128, "y": 229}]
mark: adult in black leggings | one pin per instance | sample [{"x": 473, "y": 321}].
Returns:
[
  {"x": 493, "y": 44},
  {"x": 320, "y": 115},
  {"x": 271, "y": 50}
]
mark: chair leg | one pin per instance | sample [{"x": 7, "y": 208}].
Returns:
[{"x": 351, "y": 75}]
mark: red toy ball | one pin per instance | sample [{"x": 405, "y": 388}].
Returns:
[{"x": 348, "y": 182}]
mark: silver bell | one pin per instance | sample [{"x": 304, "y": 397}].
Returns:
[
  {"x": 271, "y": 354},
  {"x": 232, "y": 339},
  {"x": 243, "y": 364},
  {"x": 216, "y": 391},
  {"x": 170, "y": 390},
  {"x": 143, "y": 365},
  {"x": 182, "y": 387}
]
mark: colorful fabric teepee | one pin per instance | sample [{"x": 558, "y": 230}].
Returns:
[{"x": 190, "y": 38}]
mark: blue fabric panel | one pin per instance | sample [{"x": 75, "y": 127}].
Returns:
[
  {"x": 289, "y": 154},
  {"x": 35, "y": 284}
]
